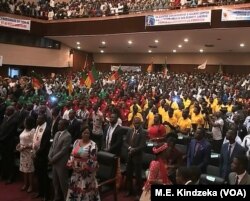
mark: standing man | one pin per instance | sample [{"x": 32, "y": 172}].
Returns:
[
  {"x": 113, "y": 136},
  {"x": 228, "y": 151},
  {"x": 199, "y": 151},
  {"x": 74, "y": 126},
  {"x": 135, "y": 143},
  {"x": 58, "y": 157},
  {"x": 41, "y": 146}
]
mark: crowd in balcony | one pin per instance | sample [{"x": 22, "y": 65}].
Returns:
[{"x": 51, "y": 10}]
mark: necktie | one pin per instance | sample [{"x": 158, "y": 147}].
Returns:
[
  {"x": 197, "y": 146},
  {"x": 229, "y": 151},
  {"x": 237, "y": 180}
]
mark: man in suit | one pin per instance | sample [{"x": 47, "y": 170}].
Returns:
[
  {"x": 21, "y": 114},
  {"x": 135, "y": 143},
  {"x": 199, "y": 151},
  {"x": 228, "y": 151},
  {"x": 239, "y": 176},
  {"x": 184, "y": 176},
  {"x": 58, "y": 157},
  {"x": 8, "y": 133},
  {"x": 55, "y": 121},
  {"x": 41, "y": 146},
  {"x": 74, "y": 126},
  {"x": 113, "y": 136}
]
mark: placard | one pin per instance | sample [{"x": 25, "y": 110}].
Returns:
[{"x": 14, "y": 23}]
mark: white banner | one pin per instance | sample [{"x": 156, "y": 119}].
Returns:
[
  {"x": 126, "y": 68},
  {"x": 235, "y": 15},
  {"x": 14, "y": 23},
  {"x": 1, "y": 60},
  {"x": 203, "y": 16}
]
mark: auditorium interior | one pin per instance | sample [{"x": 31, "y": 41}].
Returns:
[{"x": 174, "y": 74}]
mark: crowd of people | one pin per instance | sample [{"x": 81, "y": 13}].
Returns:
[
  {"x": 51, "y": 10},
  {"x": 63, "y": 124}
]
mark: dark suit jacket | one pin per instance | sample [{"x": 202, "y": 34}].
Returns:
[
  {"x": 74, "y": 129},
  {"x": 202, "y": 157},
  {"x": 116, "y": 140},
  {"x": 225, "y": 162},
  {"x": 21, "y": 115},
  {"x": 244, "y": 181},
  {"x": 60, "y": 150},
  {"x": 54, "y": 128},
  {"x": 138, "y": 143},
  {"x": 43, "y": 151},
  {"x": 8, "y": 129}
]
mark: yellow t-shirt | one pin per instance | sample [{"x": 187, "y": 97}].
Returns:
[
  {"x": 229, "y": 108},
  {"x": 184, "y": 124},
  {"x": 161, "y": 111},
  {"x": 197, "y": 119},
  {"x": 139, "y": 108},
  {"x": 174, "y": 106},
  {"x": 150, "y": 118},
  {"x": 178, "y": 114},
  {"x": 186, "y": 103},
  {"x": 172, "y": 121},
  {"x": 137, "y": 115}
]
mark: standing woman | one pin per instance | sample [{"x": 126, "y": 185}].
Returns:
[
  {"x": 158, "y": 170},
  {"x": 83, "y": 184},
  {"x": 26, "y": 156}
]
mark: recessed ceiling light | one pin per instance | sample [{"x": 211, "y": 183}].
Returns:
[
  {"x": 130, "y": 42},
  {"x": 242, "y": 45},
  {"x": 179, "y": 46},
  {"x": 186, "y": 40},
  {"x": 78, "y": 47},
  {"x": 103, "y": 42},
  {"x": 174, "y": 51},
  {"x": 201, "y": 50},
  {"x": 156, "y": 41},
  {"x": 102, "y": 51},
  {"x": 149, "y": 51},
  {"x": 78, "y": 43}
]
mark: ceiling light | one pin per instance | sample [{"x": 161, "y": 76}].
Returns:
[
  {"x": 78, "y": 47},
  {"x": 201, "y": 50},
  {"x": 156, "y": 41},
  {"x": 130, "y": 42},
  {"x": 174, "y": 51},
  {"x": 102, "y": 51},
  {"x": 103, "y": 42},
  {"x": 186, "y": 40},
  {"x": 149, "y": 51},
  {"x": 179, "y": 46},
  {"x": 78, "y": 43},
  {"x": 242, "y": 45}
]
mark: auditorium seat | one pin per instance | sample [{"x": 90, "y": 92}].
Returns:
[
  {"x": 213, "y": 170},
  {"x": 206, "y": 179},
  {"x": 106, "y": 174},
  {"x": 214, "y": 159}
]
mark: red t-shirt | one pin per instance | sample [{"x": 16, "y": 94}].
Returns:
[{"x": 156, "y": 131}]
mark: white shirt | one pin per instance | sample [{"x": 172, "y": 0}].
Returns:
[
  {"x": 217, "y": 131},
  {"x": 66, "y": 114},
  {"x": 246, "y": 144},
  {"x": 38, "y": 136},
  {"x": 247, "y": 123},
  {"x": 110, "y": 132}
]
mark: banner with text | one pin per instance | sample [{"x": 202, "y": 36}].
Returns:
[
  {"x": 203, "y": 16},
  {"x": 126, "y": 68},
  {"x": 235, "y": 15},
  {"x": 14, "y": 23}
]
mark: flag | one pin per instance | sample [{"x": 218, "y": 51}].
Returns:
[
  {"x": 203, "y": 66},
  {"x": 150, "y": 68},
  {"x": 83, "y": 78},
  {"x": 36, "y": 80},
  {"x": 165, "y": 69},
  {"x": 116, "y": 74},
  {"x": 92, "y": 77}
]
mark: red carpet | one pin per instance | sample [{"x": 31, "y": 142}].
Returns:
[{"x": 12, "y": 192}]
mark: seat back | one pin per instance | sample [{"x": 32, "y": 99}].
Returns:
[
  {"x": 213, "y": 170},
  {"x": 206, "y": 179},
  {"x": 107, "y": 165},
  {"x": 182, "y": 148},
  {"x": 147, "y": 158}
]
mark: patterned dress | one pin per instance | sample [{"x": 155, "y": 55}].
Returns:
[
  {"x": 83, "y": 184},
  {"x": 26, "y": 156}
]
